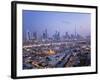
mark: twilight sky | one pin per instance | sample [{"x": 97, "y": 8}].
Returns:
[{"x": 38, "y": 21}]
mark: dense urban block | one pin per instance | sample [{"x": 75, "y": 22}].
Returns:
[{"x": 56, "y": 40}]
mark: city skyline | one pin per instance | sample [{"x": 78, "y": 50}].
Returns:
[
  {"x": 56, "y": 39},
  {"x": 38, "y": 21}
]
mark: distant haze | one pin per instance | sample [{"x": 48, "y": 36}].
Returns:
[{"x": 38, "y": 21}]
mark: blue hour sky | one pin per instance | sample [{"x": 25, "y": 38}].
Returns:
[{"x": 38, "y": 21}]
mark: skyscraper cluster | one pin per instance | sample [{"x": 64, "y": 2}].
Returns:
[{"x": 55, "y": 37}]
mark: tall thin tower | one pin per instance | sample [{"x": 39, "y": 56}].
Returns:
[{"x": 75, "y": 31}]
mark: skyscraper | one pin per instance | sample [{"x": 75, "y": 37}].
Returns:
[
  {"x": 45, "y": 34},
  {"x": 56, "y": 36},
  {"x": 35, "y": 35},
  {"x": 29, "y": 36}
]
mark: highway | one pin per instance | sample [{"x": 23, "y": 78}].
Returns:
[
  {"x": 64, "y": 60},
  {"x": 48, "y": 44}
]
